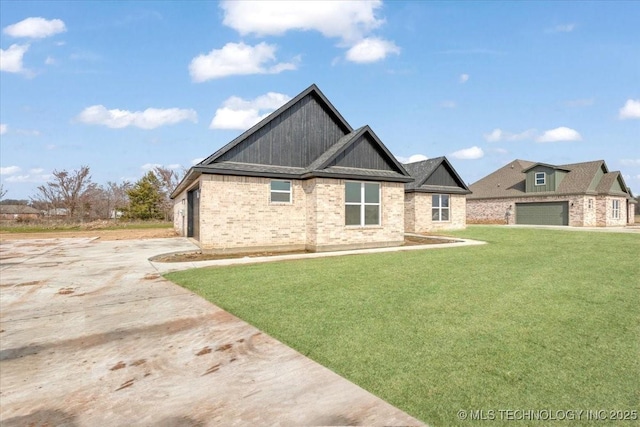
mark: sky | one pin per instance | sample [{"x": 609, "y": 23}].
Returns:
[{"x": 124, "y": 86}]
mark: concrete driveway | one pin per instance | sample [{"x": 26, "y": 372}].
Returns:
[{"x": 90, "y": 334}]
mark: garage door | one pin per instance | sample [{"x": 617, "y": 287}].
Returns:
[{"x": 548, "y": 213}]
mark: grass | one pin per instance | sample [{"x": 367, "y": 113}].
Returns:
[
  {"x": 54, "y": 226},
  {"x": 535, "y": 320}
]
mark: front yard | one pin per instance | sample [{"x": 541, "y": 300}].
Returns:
[{"x": 536, "y": 320}]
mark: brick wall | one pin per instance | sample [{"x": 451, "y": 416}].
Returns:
[
  {"x": 493, "y": 211},
  {"x": 418, "y": 214},
  {"x": 330, "y": 230},
  {"x": 604, "y": 211},
  {"x": 236, "y": 216}
]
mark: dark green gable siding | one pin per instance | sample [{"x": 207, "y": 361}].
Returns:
[
  {"x": 294, "y": 138},
  {"x": 543, "y": 213},
  {"x": 550, "y": 180}
]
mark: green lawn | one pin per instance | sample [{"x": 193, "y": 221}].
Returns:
[{"x": 535, "y": 320}]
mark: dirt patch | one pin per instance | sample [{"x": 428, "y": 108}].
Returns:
[
  {"x": 124, "y": 234},
  {"x": 193, "y": 256}
]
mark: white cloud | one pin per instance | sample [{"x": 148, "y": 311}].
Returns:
[
  {"x": 464, "y": 78},
  {"x": 559, "y": 134},
  {"x": 50, "y": 60},
  {"x": 631, "y": 110},
  {"x": 11, "y": 59},
  {"x": 174, "y": 166},
  {"x": 3, "y": 128},
  {"x": 630, "y": 162},
  {"x": 498, "y": 135},
  {"x": 237, "y": 113},
  {"x": 38, "y": 178},
  {"x": 448, "y": 104},
  {"x": 196, "y": 161},
  {"x": 36, "y": 28},
  {"x": 471, "y": 153},
  {"x": 150, "y": 118},
  {"x": 150, "y": 166},
  {"x": 347, "y": 20},
  {"x": 371, "y": 50},
  {"x": 237, "y": 59},
  {"x": 352, "y": 22},
  {"x": 562, "y": 28},
  {"x": 36, "y": 170},
  {"x": 413, "y": 158},
  {"x": 9, "y": 170}
]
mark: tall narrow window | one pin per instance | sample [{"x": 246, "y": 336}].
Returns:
[
  {"x": 615, "y": 209},
  {"x": 440, "y": 207},
  {"x": 280, "y": 191},
  {"x": 540, "y": 178},
  {"x": 362, "y": 203},
  {"x": 590, "y": 204}
]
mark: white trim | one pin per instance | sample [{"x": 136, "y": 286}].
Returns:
[
  {"x": 535, "y": 178},
  {"x": 289, "y": 192},
  {"x": 440, "y": 208},
  {"x": 363, "y": 204}
]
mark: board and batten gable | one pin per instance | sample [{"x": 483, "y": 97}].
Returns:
[
  {"x": 310, "y": 152},
  {"x": 435, "y": 181}
]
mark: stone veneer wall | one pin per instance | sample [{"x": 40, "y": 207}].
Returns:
[
  {"x": 418, "y": 215},
  {"x": 237, "y": 216},
  {"x": 631, "y": 215}
]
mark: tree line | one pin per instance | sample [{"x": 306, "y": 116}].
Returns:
[{"x": 73, "y": 195}]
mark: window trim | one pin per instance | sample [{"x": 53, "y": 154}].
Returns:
[
  {"x": 615, "y": 209},
  {"x": 536, "y": 177},
  {"x": 289, "y": 192},
  {"x": 440, "y": 208},
  {"x": 362, "y": 203}
]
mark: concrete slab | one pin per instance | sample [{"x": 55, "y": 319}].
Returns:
[{"x": 91, "y": 334}]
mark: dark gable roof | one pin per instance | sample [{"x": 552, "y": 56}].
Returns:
[
  {"x": 581, "y": 178},
  {"x": 435, "y": 175},
  {"x": 307, "y": 137}
]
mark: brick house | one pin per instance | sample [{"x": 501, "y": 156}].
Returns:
[
  {"x": 436, "y": 200},
  {"x": 579, "y": 194},
  {"x": 18, "y": 212},
  {"x": 302, "y": 178}
]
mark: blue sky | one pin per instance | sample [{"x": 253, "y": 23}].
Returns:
[{"x": 124, "y": 86}]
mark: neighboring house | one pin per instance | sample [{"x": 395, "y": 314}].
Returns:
[
  {"x": 302, "y": 178},
  {"x": 436, "y": 200},
  {"x": 18, "y": 212},
  {"x": 579, "y": 194}
]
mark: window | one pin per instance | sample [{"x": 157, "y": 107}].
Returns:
[
  {"x": 280, "y": 191},
  {"x": 540, "y": 178},
  {"x": 615, "y": 209},
  {"x": 440, "y": 207},
  {"x": 590, "y": 204},
  {"x": 362, "y": 203}
]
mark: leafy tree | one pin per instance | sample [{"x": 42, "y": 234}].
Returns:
[{"x": 145, "y": 198}]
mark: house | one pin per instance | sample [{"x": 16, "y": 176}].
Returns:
[
  {"x": 436, "y": 200},
  {"x": 579, "y": 194},
  {"x": 18, "y": 212},
  {"x": 300, "y": 179}
]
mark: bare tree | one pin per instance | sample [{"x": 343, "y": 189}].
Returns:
[
  {"x": 169, "y": 180},
  {"x": 68, "y": 190},
  {"x": 2, "y": 191}
]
